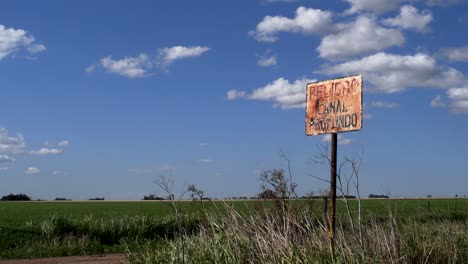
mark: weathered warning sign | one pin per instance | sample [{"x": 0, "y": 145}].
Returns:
[{"x": 334, "y": 106}]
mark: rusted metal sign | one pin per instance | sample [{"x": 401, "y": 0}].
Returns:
[{"x": 334, "y": 106}]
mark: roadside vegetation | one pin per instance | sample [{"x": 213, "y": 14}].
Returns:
[
  {"x": 276, "y": 228},
  {"x": 282, "y": 230}
]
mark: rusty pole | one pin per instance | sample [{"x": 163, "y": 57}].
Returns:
[{"x": 334, "y": 150}]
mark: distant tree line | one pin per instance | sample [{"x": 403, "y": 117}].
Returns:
[
  {"x": 153, "y": 197},
  {"x": 240, "y": 198},
  {"x": 97, "y": 199},
  {"x": 16, "y": 197},
  {"x": 378, "y": 196},
  {"x": 62, "y": 199}
]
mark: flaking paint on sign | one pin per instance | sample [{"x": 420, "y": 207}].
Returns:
[{"x": 334, "y": 106}]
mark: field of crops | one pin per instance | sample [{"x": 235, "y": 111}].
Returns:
[
  {"x": 13, "y": 214},
  {"x": 148, "y": 230}
]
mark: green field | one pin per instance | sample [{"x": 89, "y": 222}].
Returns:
[
  {"x": 14, "y": 214},
  {"x": 43, "y": 229}
]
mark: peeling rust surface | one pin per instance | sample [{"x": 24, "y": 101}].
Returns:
[{"x": 334, "y": 106}]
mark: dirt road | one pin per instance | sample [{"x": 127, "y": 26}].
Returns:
[{"x": 100, "y": 259}]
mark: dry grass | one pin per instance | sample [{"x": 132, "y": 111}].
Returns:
[{"x": 297, "y": 235}]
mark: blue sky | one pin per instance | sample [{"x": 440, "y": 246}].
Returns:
[{"x": 101, "y": 98}]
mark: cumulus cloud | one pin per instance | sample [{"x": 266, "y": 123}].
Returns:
[
  {"x": 12, "y": 40},
  {"x": 267, "y": 61},
  {"x": 382, "y": 104},
  {"x": 281, "y": 92},
  {"x": 32, "y": 170},
  {"x": 375, "y": 6},
  {"x": 437, "y": 102},
  {"x": 455, "y": 54},
  {"x": 132, "y": 67},
  {"x": 459, "y": 97},
  {"x": 141, "y": 65},
  {"x": 307, "y": 21},
  {"x": 341, "y": 139},
  {"x": 47, "y": 151},
  {"x": 359, "y": 37},
  {"x": 411, "y": 18},
  {"x": 6, "y": 158},
  {"x": 169, "y": 55},
  {"x": 391, "y": 73},
  {"x": 11, "y": 144}
]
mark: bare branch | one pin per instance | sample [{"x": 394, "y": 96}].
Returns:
[{"x": 292, "y": 185}]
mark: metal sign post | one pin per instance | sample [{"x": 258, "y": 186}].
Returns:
[
  {"x": 334, "y": 106},
  {"x": 334, "y": 151}
]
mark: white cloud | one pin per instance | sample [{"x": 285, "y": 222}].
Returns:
[
  {"x": 3, "y": 168},
  {"x": 376, "y": 6},
  {"x": 283, "y": 93},
  {"x": 169, "y": 55},
  {"x": 6, "y": 158},
  {"x": 266, "y": 61},
  {"x": 459, "y": 106},
  {"x": 437, "y": 102},
  {"x": 234, "y": 94},
  {"x": 132, "y": 67},
  {"x": 359, "y": 37},
  {"x": 63, "y": 143},
  {"x": 139, "y": 66},
  {"x": 456, "y": 54},
  {"x": 341, "y": 139},
  {"x": 459, "y": 97},
  {"x": 306, "y": 21},
  {"x": 382, "y": 104},
  {"x": 206, "y": 161},
  {"x": 60, "y": 144},
  {"x": 12, "y": 40},
  {"x": 36, "y": 48},
  {"x": 32, "y": 170},
  {"x": 368, "y": 116},
  {"x": 411, "y": 18},
  {"x": 458, "y": 93},
  {"x": 394, "y": 73},
  {"x": 203, "y": 144},
  {"x": 11, "y": 144},
  {"x": 47, "y": 151}
]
